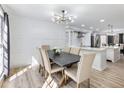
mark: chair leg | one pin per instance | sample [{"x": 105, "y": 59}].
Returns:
[
  {"x": 46, "y": 74},
  {"x": 88, "y": 83},
  {"x": 78, "y": 85},
  {"x": 62, "y": 72},
  {"x": 43, "y": 71},
  {"x": 40, "y": 67},
  {"x": 65, "y": 79}
]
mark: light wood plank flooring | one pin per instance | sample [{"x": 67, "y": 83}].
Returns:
[{"x": 29, "y": 77}]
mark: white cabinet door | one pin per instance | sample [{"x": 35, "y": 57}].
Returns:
[
  {"x": 110, "y": 54},
  {"x": 113, "y": 54}
]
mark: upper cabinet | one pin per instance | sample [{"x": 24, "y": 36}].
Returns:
[
  {"x": 121, "y": 38},
  {"x": 110, "y": 40},
  {"x": 113, "y": 39}
]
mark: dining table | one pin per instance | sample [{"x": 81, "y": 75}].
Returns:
[{"x": 63, "y": 59}]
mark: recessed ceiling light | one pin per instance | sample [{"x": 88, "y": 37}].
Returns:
[
  {"x": 64, "y": 11},
  {"x": 97, "y": 29},
  {"x": 72, "y": 21},
  {"x": 91, "y": 27},
  {"x": 52, "y": 13},
  {"x": 67, "y": 26},
  {"x": 102, "y": 20},
  {"x": 83, "y": 25}
]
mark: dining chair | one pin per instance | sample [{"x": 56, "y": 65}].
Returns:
[
  {"x": 50, "y": 68},
  {"x": 83, "y": 71},
  {"x": 42, "y": 68},
  {"x": 46, "y": 47},
  {"x": 75, "y": 50},
  {"x": 67, "y": 49}
]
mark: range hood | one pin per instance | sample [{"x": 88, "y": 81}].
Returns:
[{"x": 80, "y": 34}]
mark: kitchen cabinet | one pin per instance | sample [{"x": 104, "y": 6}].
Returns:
[{"x": 113, "y": 54}]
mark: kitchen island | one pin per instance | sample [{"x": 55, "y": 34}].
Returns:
[
  {"x": 113, "y": 53},
  {"x": 100, "y": 59}
]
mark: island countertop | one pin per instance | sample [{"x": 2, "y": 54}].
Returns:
[
  {"x": 112, "y": 47},
  {"x": 93, "y": 48}
]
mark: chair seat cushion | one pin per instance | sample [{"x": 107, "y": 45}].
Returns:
[
  {"x": 56, "y": 68},
  {"x": 72, "y": 72}
]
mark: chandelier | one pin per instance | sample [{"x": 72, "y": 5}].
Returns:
[{"x": 63, "y": 18}]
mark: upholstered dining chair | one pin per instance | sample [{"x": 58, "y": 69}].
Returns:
[
  {"x": 50, "y": 68},
  {"x": 83, "y": 71},
  {"x": 46, "y": 47},
  {"x": 75, "y": 50},
  {"x": 41, "y": 68},
  {"x": 67, "y": 49}
]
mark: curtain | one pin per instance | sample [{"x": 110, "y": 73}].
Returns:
[
  {"x": 1, "y": 43},
  {"x": 4, "y": 44}
]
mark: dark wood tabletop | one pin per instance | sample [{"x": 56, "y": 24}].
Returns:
[{"x": 63, "y": 59}]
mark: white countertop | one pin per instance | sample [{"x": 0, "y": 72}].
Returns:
[
  {"x": 93, "y": 49},
  {"x": 113, "y": 47}
]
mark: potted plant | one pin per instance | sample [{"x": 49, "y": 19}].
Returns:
[{"x": 56, "y": 51}]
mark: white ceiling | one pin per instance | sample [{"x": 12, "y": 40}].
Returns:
[{"x": 88, "y": 14}]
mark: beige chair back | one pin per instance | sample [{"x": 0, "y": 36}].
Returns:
[
  {"x": 75, "y": 51},
  {"x": 46, "y": 60},
  {"x": 85, "y": 66},
  {"x": 67, "y": 49},
  {"x": 46, "y": 47}
]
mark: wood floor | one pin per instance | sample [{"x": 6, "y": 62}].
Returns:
[{"x": 29, "y": 77}]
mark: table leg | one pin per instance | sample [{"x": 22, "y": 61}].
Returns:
[{"x": 61, "y": 83}]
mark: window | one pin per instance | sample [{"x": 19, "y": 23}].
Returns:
[
  {"x": 1, "y": 45},
  {"x": 4, "y": 44}
]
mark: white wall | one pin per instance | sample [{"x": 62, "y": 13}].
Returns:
[
  {"x": 76, "y": 42},
  {"x": 27, "y": 34}
]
